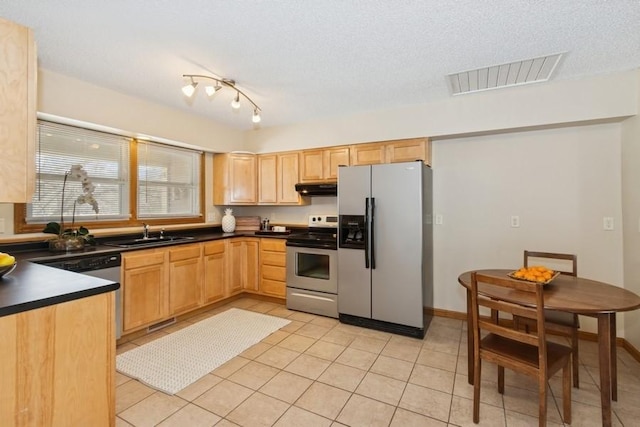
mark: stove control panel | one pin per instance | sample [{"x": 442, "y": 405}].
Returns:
[{"x": 325, "y": 221}]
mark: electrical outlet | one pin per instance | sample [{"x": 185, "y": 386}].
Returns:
[
  {"x": 515, "y": 221},
  {"x": 607, "y": 223},
  {"x": 439, "y": 219}
]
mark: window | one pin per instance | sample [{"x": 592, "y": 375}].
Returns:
[
  {"x": 105, "y": 158},
  {"x": 135, "y": 180},
  {"x": 168, "y": 181}
]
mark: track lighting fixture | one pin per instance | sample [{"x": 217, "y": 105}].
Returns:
[{"x": 211, "y": 90}]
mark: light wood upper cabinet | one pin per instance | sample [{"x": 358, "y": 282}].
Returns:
[
  {"x": 215, "y": 271},
  {"x": 144, "y": 288},
  {"x": 403, "y": 150},
  {"x": 235, "y": 179},
  {"x": 267, "y": 179},
  {"x": 409, "y": 150},
  {"x": 185, "y": 278},
  {"x": 277, "y": 179},
  {"x": 367, "y": 154},
  {"x": 287, "y": 178},
  {"x": 322, "y": 164},
  {"x": 18, "y": 69},
  {"x": 331, "y": 159}
]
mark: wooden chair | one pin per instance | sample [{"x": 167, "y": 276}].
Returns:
[
  {"x": 561, "y": 323},
  {"x": 526, "y": 352}
]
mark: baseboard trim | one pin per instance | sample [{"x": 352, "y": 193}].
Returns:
[{"x": 588, "y": 336}]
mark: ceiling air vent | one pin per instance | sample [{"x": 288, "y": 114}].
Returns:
[{"x": 498, "y": 76}]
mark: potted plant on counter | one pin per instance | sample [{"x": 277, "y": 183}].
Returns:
[{"x": 73, "y": 238}]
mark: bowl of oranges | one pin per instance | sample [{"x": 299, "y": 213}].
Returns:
[{"x": 536, "y": 273}]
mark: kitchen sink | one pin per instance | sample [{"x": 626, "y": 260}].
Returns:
[{"x": 149, "y": 241}]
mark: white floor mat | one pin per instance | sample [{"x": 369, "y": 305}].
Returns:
[{"x": 171, "y": 363}]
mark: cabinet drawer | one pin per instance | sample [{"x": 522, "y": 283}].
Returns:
[
  {"x": 276, "y": 245},
  {"x": 142, "y": 259},
  {"x": 274, "y": 273},
  {"x": 273, "y": 287},
  {"x": 213, "y": 248},
  {"x": 184, "y": 252},
  {"x": 273, "y": 258}
]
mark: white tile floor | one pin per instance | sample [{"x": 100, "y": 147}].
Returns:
[{"x": 318, "y": 372}]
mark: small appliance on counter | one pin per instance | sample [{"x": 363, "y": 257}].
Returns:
[{"x": 312, "y": 267}]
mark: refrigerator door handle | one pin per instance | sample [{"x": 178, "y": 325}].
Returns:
[
  {"x": 366, "y": 239},
  {"x": 372, "y": 249}
]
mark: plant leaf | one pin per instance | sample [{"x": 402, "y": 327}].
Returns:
[
  {"x": 52, "y": 228},
  {"x": 83, "y": 231}
]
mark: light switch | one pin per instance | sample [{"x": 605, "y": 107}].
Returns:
[
  {"x": 515, "y": 221},
  {"x": 439, "y": 219},
  {"x": 607, "y": 223}
]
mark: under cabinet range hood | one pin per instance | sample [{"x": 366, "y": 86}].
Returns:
[{"x": 317, "y": 188}]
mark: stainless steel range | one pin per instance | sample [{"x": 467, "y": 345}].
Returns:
[{"x": 312, "y": 267}]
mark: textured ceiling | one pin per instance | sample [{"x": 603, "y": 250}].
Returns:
[{"x": 307, "y": 60}]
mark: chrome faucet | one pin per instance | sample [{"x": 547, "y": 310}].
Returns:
[{"x": 145, "y": 231}]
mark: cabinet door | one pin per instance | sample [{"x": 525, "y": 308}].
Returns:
[
  {"x": 18, "y": 117},
  {"x": 215, "y": 271},
  {"x": 251, "y": 266},
  {"x": 332, "y": 158},
  {"x": 235, "y": 179},
  {"x": 185, "y": 278},
  {"x": 409, "y": 150},
  {"x": 311, "y": 166},
  {"x": 288, "y": 178},
  {"x": 143, "y": 289},
  {"x": 267, "y": 179},
  {"x": 367, "y": 154},
  {"x": 236, "y": 268},
  {"x": 242, "y": 179}
]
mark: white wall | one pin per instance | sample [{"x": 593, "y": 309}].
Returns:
[
  {"x": 548, "y": 104},
  {"x": 560, "y": 182},
  {"x": 631, "y": 210},
  {"x": 71, "y": 98}
]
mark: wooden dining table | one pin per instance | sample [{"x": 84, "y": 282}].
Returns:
[{"x": 574, "y": 295}]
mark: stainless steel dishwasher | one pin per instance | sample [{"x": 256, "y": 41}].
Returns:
[{"x": 101, "y": 266}]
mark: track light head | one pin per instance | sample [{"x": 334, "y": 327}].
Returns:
[
  {"x": 190, "y": 89},
  {"x": 235, "y": 104},
  {"x": 256, "y": 116},
  {"x": 211, "y": 90}
]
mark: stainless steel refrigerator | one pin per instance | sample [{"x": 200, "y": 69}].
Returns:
[{"x": 385, "y": 263}]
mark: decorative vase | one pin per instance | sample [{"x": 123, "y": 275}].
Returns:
[
  {"x": 67, "y": 243},
  {"x": 228, "y": 221}
]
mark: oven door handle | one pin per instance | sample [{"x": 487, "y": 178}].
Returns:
[{"x": 366, "y": 237}]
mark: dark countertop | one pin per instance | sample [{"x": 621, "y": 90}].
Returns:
[{"x": 32, "y": 285}]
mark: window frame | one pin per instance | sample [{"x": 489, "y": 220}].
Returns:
[{"x": 20, "y": 209}]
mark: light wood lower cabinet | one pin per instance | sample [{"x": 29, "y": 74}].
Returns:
[
  {"x": 273, "y": 272},
  {"x": 243, "y": 264},
  {"x": 144, "y": 288},
  {"x": 215, "y": 271},
  {"x": 185, "y": 278},
  {"x": 158, "y": 284},
  {"x": 58, "y": 364}
]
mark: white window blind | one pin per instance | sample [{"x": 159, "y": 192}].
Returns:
[
  {"x": 105, "y": 158},
  {"x": 168, "y": 181}
]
